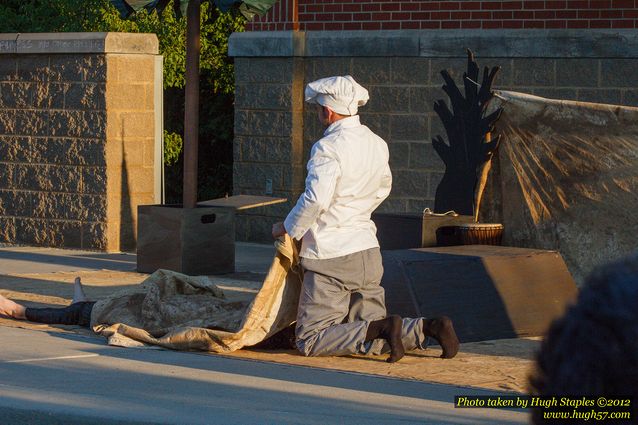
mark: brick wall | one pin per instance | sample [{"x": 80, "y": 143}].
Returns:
[
  {"x": 76, "y": 138},
  {"x": 340, "y": 15}
]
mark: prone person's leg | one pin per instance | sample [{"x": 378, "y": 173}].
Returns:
[
  {"x": 78, "y": 313},
  {"x": 74, "y": 314}
]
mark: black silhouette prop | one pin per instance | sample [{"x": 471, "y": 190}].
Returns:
[{"x": 469, "y": 129}]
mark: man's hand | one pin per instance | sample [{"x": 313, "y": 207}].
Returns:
[{"x": 278, "y": 230}]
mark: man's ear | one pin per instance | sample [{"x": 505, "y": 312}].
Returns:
[{"x": 325, "y": 112}]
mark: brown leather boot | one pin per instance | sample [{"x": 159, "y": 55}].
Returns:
[
  {"x": 442, "y": 330},
  {"x": 389, "y": 329}
]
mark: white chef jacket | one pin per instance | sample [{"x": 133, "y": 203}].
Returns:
[{"x": 348, "y": 177}]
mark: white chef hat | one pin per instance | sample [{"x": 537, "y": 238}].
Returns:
[{"x": 341, "y": 94}]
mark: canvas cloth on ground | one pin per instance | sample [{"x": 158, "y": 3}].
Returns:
[{"x": 181, "y": 312}]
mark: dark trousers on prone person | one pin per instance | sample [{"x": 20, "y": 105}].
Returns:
[{"x": 75, "y": 314}]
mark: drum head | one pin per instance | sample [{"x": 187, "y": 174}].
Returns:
[{"x": 481, "y": 226}]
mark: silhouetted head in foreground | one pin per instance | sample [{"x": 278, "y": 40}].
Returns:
[{"x": 593, "y": 349}]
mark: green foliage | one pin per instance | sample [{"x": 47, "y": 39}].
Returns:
[
  {"x": 45, "y": 16},
  {"x": 216, "y": 75},
  {"x": 172, "y": 147},
  {"x": 101, "y": 16}
]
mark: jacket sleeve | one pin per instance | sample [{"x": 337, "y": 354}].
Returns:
[
  {"x": 324, "y": 171},
  {"x": 386, "y": 183}
]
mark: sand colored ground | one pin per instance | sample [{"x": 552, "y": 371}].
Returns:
[{"x": 502, "y": 365}]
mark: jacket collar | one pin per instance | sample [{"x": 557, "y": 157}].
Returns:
[{"x": 343, "y": 123}]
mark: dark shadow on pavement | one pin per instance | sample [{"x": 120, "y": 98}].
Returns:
[{"x": 97, "y": 261}]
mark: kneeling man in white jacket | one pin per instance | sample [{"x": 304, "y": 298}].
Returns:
[{"x": 342, "y": 304}]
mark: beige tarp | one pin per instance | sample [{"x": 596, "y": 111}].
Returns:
[
  {"x": 176, "y": 311},
  {"x": 566, "y": 179}
]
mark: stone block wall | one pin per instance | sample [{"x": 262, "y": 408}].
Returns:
[
  {"x": 401, "y": 70},
  {"x": 77, "y": 138},
  {"x": 268, "y": 145}
]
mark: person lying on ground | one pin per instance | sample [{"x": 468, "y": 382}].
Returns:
[{"x": 78, "y": 313}]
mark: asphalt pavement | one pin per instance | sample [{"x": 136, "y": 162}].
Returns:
[{"x": 49, "y": 377}]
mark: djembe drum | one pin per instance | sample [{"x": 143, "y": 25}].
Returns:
[{"x": 470, "y": 234}]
